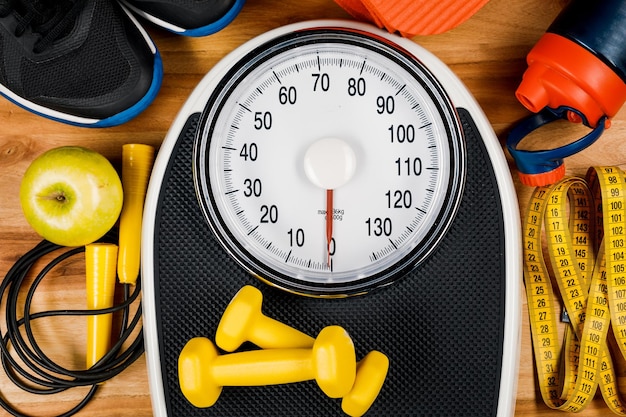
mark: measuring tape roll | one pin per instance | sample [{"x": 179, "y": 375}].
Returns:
[{"x": 585, "y": 235}]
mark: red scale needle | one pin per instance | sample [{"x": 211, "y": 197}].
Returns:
[
  {"x": 329, "y": 163},
  {"x": 329, "y": 220}
]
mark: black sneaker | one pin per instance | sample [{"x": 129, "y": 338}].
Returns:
[
  {"x": 82, "y": 62},
  {"x": 188, "y": 17}
]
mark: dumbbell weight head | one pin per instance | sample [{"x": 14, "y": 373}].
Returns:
[
  {"x": 370, "y": 375},
  {"x": 334, "y": 361},
  {"x": 196, "y": 382}
]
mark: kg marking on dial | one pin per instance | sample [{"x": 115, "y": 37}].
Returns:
[{"x": 329, "y": 161}]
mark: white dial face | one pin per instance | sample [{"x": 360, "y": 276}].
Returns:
[{"x": 329, "y": 163}]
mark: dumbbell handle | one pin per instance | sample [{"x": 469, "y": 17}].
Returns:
[
  {"x": 269, "y": 333},
  {"x": 263, "y": 367}
]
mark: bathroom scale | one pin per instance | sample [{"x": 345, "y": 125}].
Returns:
[{"x": 349, "y": 175}]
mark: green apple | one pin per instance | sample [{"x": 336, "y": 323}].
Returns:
[{"x": 71, "y": 195}]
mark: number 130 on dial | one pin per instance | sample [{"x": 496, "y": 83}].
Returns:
[{"x": 329, "y": 161}]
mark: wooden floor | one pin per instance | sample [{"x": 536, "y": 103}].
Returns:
[{"x": 487, "y": 53}]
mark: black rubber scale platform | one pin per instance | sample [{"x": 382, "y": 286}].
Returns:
[{"x": 442, "y": 326}]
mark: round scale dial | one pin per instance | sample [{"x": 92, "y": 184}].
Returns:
[{"x": 329, "y": 161}]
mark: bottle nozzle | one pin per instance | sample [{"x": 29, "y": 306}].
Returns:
[{"x": 562, "y": 73}]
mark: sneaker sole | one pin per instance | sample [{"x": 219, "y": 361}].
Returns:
[{"x": 195, "y": 32}]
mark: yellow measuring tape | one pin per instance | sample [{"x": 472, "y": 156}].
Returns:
[{"x": 585, "y": 238}]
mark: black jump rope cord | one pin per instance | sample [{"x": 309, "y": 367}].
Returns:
[{"x": 39, "y": 374}]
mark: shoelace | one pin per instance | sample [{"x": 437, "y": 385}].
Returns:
[{"x": 51, "y": 19}]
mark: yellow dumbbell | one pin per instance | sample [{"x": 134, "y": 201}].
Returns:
[
  {"x": 243, "y": 321},
  {"x": 331, "y": 362}
]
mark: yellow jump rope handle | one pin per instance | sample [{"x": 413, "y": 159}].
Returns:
[
  {"x": 100, "y": 260},
  {"x": 136, "y": 166}
]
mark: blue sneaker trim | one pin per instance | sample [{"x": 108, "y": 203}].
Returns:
[
  {"x": 122, "y": 117},
  {"x": 217, "y": 25},
  {"x": 141, "y": 105}
]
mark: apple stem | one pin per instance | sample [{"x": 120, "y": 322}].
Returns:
[{"x": 57, "y": 195}]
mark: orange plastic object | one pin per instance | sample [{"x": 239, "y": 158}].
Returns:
[
  {"x": 331, "y": 362},
  {"x": 413, "y": 17},
  {"x": 562, "y": 73},
  {"x": 357, "y": 9},
  {"x": 544, "y": 178}
]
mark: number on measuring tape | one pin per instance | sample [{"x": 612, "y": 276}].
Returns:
[{"x": 585, "y": 227}]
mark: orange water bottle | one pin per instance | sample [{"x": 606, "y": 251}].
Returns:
[{"x": 576, "y": 71}]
